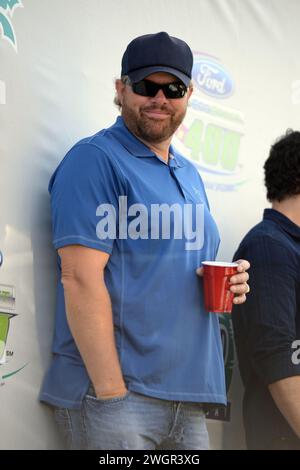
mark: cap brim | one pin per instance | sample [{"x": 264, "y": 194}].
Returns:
[{"x": 140, "y": 74}]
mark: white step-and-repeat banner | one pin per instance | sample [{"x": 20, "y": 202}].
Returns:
[{"x": 58, "y": 62}]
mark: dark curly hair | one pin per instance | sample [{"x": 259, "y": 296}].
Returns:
[{"x": 282, "y": 168}]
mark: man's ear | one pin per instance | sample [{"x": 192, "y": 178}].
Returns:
[
  {"x": 190, "y": 90},
  {"x": 120, "y": 87}
]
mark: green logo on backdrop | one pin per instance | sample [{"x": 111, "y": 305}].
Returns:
[
  {"x": 7, "y": 313},
  {"x": 214, "y": 145},
  {"x": 212, "y": 132},
  {"x": 4, "y": 329}
]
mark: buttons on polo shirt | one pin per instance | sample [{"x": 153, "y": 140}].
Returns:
[{"x": 172, "y": 172}]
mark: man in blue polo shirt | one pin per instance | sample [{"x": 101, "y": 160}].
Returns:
[{"x": 135, "y": 354}]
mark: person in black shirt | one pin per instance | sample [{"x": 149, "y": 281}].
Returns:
[{"x": 267, "y": 326}]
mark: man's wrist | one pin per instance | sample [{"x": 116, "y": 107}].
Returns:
[{"x": 107, "y": 394}]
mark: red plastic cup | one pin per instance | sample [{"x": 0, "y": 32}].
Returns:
[{"x": 217, "y": 295}]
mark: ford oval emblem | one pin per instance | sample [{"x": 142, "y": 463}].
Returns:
[{"x": 211, "y": 78}]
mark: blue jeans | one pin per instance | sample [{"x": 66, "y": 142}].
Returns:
[{"x": 134, "y": 421}]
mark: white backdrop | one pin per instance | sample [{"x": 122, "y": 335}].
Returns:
[{"x": 58, "y": 61}]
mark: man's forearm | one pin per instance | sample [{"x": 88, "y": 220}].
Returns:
[
  {"x": 89, "y": 315},
  {"x": 286, "y": 394}
]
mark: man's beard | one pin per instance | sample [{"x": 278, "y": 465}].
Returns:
[{"x": 152, "y": 130}]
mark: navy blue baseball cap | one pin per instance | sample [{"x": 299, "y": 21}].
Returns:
[{"x": 157, "y": 53}]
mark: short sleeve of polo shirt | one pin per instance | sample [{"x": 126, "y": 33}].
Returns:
[{"x": 85, "y": 180}]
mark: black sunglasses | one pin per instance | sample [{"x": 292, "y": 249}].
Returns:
[{"x": 147, "y": 88}]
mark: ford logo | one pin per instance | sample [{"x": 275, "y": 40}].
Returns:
[{"x": 212, "y": 78}]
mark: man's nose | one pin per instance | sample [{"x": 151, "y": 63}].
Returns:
[{"x": 160, "y": 96}]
